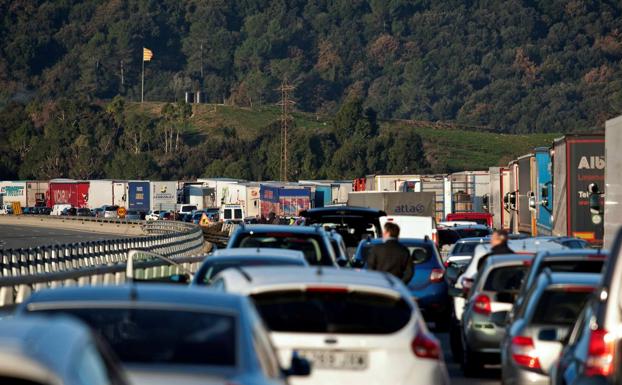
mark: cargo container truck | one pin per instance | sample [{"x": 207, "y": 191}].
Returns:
[
  {"x": 543, "y": 199},
  {"x": 284, "y": 201},
  {"x": 253, "y": 202},
  {"x": 222, "y": 187},
  {"x": 36, "y": 192},
  {"x": 469, "y": 191},
  {"x": 525, "y": 218},
  {"x": 396, "y": 203},
  {"x": 139, "y": 196},
  {"x": 578, "y": 167},
  {"x": 163, "y": 195},
  {"x": 339, "y": 191},
  {"x": 14, "y": 192},
  {"x": 388, "y": 182},
  {"x": 613, "y": 180},
  {"x": 68, "y": 192},
  {"x": 440, "y": 185}
]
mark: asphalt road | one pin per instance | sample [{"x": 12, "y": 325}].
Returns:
[
  {"x": 490, "y": 376},
  {"x": 14, "y": 237}
]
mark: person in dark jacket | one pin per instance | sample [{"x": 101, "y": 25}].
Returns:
[
  {"x": 391, "y": 256},
  {"x": 499, "y": 243}
]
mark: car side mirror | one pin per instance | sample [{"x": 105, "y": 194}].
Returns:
[
  {"x": 181, "y": 279},
  {"x": 499, "y": 318},
  {"x": 299, "y": 366},
  {"x": 550, "y": 335},
  {"x": 342, "y": 262},
  {"x": 358, "y": 263}
]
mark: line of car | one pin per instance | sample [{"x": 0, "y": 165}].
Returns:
[{"x": 296, "y": 305}]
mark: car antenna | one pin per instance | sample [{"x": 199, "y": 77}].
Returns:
[{"x": 244, "y": 273}]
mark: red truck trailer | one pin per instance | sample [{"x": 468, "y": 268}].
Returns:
[{"x": 72, "y": 192}]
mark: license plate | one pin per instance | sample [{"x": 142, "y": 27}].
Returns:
[{"x": 336, "y": 359}]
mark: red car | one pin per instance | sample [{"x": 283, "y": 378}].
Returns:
[{"x": 479, "y": 218}]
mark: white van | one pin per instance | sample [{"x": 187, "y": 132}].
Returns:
[
  {"x": 186, "y": 208},
  {"x": 59, "y": 208},
  {"x": 412, "y": 226},
  {"x": 231, "y": 213}
]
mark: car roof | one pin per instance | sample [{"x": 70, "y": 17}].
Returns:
[
  {"x": 473, "y": 240},
  {"x": 462, "y": 227},
  {"x": 253, "y": 252},
  {"x": 138, "y": 293},
  {"x": 571, "y": 253},
  {"x": 257, "y": 278},
  {"x": 280, "y": 229},
  {"x": 588, "y": 279},
  {"x": 507, "y": 260},
  {"x": 319, "y": 212}
]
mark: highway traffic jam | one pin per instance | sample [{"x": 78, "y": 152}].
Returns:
[{"x": 320, "y": 286}]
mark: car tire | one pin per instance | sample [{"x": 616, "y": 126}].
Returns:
[{"x": 471, "y": 364}]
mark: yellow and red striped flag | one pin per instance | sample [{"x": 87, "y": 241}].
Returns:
[{"x": 147, "y": 54}]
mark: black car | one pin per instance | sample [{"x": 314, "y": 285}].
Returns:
[
  {"x": 84, "y": 212},
  {"x": 314, "y": 242}
]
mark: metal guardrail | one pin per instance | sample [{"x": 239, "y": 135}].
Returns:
[
  {"x": 25, "y": 270},
  {"x": 219, "y": 233}
]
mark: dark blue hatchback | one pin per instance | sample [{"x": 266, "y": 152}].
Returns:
[{"x": 428, "y": 286}]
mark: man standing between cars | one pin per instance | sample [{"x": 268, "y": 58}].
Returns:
[
  {"x": 391, "y": 256},
  {"x": 499, "y": 243}
]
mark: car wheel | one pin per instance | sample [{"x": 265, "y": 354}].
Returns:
[{"x": 471, "y": 364}]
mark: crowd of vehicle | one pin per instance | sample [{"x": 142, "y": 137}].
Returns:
[{"x": 307, "y": 304}]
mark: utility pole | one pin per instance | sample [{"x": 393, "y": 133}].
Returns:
[{"x": 286, "y": 119}]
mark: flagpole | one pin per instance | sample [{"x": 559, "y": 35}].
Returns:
[{"x": 142, "y": 83}]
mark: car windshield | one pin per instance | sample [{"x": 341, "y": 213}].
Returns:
[
  {"x": 465, "y": 248},
  {"x": 504, "y": 279},
  {"x": 210, "y": 269},
  {"x": 560, "y": 307},
  {"x": 158, "y": 336},
  {"x": 310, "y": 244},
  {"x": 332, "y": 312}
]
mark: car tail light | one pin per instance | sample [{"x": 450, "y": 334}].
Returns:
[
  {"x": 426, "y": 346},
  {"x": 435, "y": 237},
  {"x": 524, "y": 353},
  {"x": 600, "y": 354},
  {"x": 481, "y": 304},
  {"x": 437, "y": 275}
]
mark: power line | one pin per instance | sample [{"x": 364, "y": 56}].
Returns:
[{"x": 286, "y": 120}]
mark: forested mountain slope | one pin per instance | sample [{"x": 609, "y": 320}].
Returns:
[{"x": 514, "y": 66}]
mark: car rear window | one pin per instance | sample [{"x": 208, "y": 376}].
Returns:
[
  {"x": 331, "y": 312},
  {"x": 584, "y": 266},
  {"x": 507, "y": 278},
  {"x": 210, "y": 270},
  {"x": 150, "y": 336},
  {"x": 310, "y": 244},
  {"x": 466, "y": 248},
  {"x": 560, "y": 307},
  {"x": 472, "y": 233}
]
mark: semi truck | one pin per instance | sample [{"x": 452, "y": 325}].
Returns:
[
  {"x": 396, "y": 203},
  {"x": 543, "y": 194},
  {"x": 578, "y": 177},
  {"x": 526, "y": 219},
  {"x": 613, "y": 180},
  {"x": 284, "y": 201},
  {"x": 163, "y": 195},
  {"x": 139, "y": 196},
  {"x": 499, "y": 186},
  {"x": 107, "y": 193},
  {"x": 68, "y": 192}
]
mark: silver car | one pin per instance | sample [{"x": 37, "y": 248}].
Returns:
[
  {"x": 534, "y": 340},
  {"x": 174, "y": 335},
  {"x": 492, "y": 295},
  {"x": 53, "y": 351}
]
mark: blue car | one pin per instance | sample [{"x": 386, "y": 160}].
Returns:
[{"x": 428, "y": 285}]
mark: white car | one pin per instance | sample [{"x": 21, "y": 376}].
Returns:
[
  {"x": 153, "y": 215},
  {"x": 54, "y": 351},
  {"x": 59, "y": 208},
  {"x": 355, "y": 327}
]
